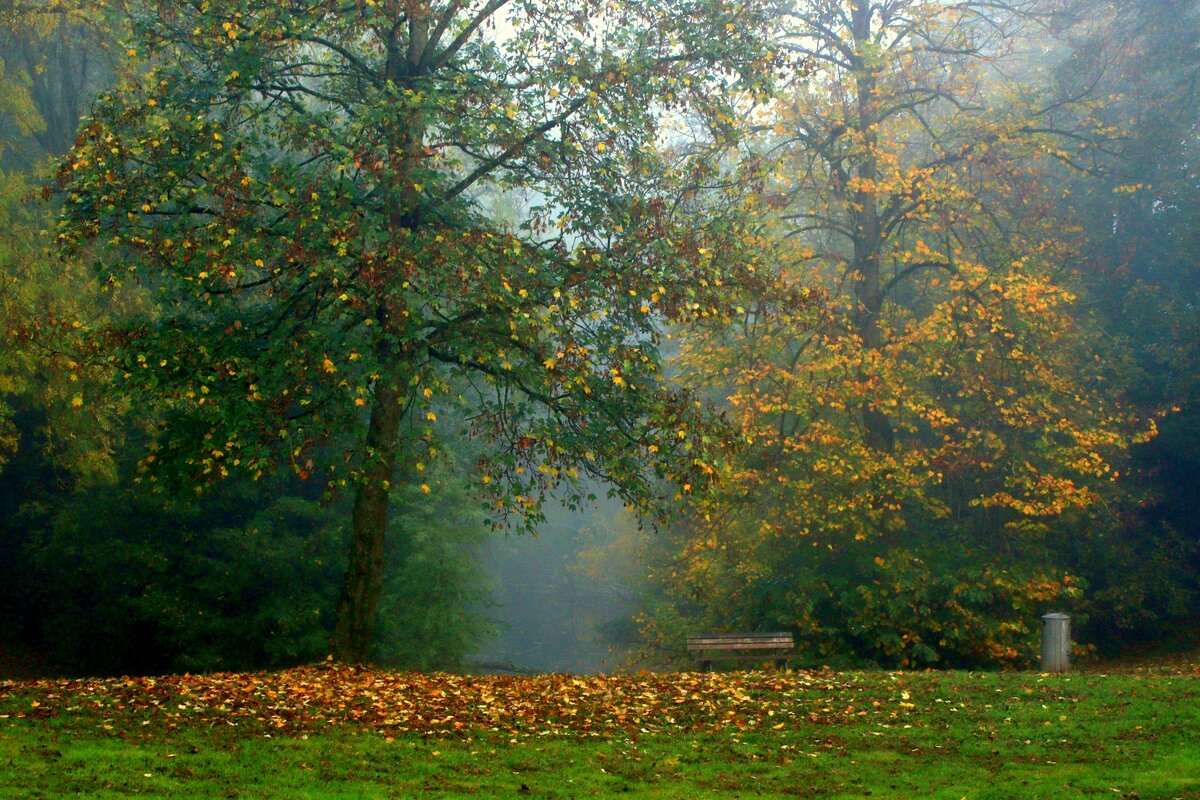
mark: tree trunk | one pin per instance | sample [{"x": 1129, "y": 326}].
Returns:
[
  {"x": 868, "y": 234},
  {"x": 358, "y": 605},
  {"x": 354, "y": 627}
]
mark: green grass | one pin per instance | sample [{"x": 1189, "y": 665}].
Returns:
[{"x": 826, "y": 735}]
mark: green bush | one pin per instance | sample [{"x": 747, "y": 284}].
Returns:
[{"x": 244, "y": 577}]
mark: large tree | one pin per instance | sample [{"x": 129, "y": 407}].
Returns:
[
  {"x": 915, "y": 442},
  {"x": 302, "y": 188}
]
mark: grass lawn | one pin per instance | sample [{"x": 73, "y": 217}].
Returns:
[{"x": 331, "y": 732}]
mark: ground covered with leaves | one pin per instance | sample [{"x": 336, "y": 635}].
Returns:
[{"x": 332, "y": 731}]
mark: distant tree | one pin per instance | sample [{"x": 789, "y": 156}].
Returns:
[
  {"x": 49, "y": 443},
  {"x": 297, "y": 187},
  {"x": 56, "y": 57}
]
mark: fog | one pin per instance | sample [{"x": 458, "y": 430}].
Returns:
[{"x": 552, "y": 614}]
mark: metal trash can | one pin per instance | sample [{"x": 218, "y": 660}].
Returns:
[{"x": 1056, "y": 642}]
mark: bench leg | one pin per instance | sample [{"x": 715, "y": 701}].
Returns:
[{"x": 706, "y": 666}]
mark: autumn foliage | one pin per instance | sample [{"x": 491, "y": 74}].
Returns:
[{"x": 918, "y": 442}]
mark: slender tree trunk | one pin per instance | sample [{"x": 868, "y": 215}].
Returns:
[{"x": 358, "y": 605}]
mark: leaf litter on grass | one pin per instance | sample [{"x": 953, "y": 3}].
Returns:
[
  {"x": 312, "y": 698},
  {"x": 817, "y": 733}
]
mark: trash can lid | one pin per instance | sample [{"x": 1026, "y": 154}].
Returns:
[{"x": 1056, "y": 615}]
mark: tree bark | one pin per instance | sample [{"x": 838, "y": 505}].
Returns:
[{"x": 358, "y": 605}]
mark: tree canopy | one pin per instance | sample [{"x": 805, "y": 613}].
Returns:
[{"x": 300, "y": 190}]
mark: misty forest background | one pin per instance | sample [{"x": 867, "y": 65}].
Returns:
[{"x": 962, "y": 390}]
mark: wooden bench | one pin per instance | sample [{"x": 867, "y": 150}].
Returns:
[{"x": 709, "y": 647}]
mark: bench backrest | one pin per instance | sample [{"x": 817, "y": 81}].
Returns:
[{"x": 741, "y": 641}]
